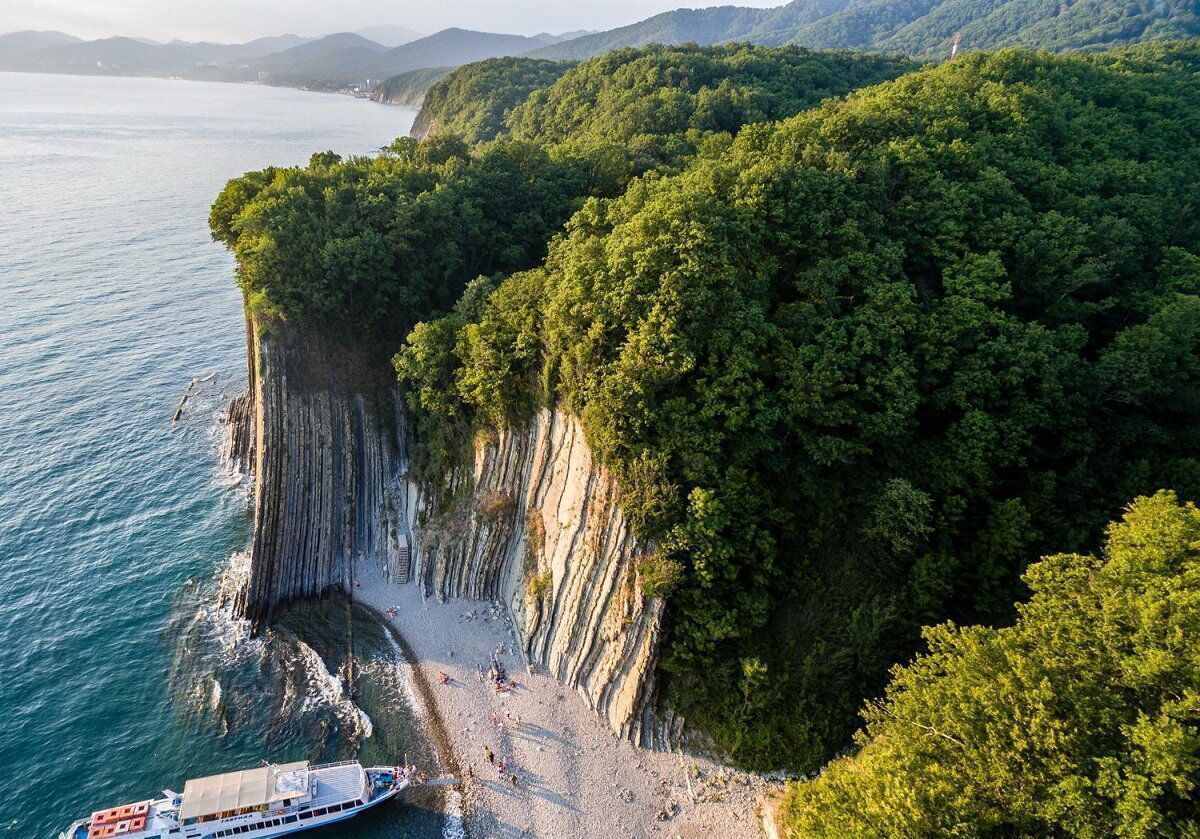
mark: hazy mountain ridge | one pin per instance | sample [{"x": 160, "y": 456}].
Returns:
[
  {"x": 389, "y": 35},
  {"x": 452, "y": 47},
  {"x": 333, "y": 60},
  {"x": 340, "y": 57},
  {"x": 920, "y": 28},
  {"x": 117, "y": 56}
]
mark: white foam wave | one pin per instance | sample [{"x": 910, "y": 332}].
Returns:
[
  {"x": 454, "y": 826},
  {"x": 329, "y": 690},
  {"x": 404, "y": 670}
]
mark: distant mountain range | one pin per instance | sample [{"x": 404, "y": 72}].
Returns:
[
  {"x": 331, "y": 61},
  {"x": 919, "y": 28},
  {"x": 389, "y": 36},
  {"x": 452, "y": 47}
]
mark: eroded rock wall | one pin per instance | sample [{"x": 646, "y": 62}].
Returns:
[
  {"x": 533, "y": 522},
  {"x": 322, "y": 432},
  {"x": 537, "y": 524}
]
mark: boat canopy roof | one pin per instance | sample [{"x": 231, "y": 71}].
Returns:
[{"x": 248, "y": 788}]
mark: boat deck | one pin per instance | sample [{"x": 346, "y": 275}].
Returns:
[{"x": 334, "y": 783}]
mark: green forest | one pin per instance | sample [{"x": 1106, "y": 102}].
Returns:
[
  {"x": 1078, "y": 719},
  {"x": 862, "y": 343},
  {"x": 473, "y": 102}
]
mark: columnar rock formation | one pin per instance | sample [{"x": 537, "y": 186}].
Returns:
[
  {"x": 533, "y": 522},
  {"x": 322, "y": 438}
]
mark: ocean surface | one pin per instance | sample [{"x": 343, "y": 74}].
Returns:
[{"x": 122, "y": 670}]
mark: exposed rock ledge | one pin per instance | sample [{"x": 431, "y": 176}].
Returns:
[{"x": 536, "y": 523}]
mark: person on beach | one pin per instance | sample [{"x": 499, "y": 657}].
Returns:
[
  {"x": 443, "y": 678},
  {"x": 513, "y": 778},
  {"x": 491, "y": 756}
]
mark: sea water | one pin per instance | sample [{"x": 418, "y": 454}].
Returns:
[{"x": 122, "y": 670}]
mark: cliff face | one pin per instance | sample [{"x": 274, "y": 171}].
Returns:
[
  {"x": 533, "y": 521},
  {"x": 541, "y": 530},
  {"x": 321, "y": 432}
]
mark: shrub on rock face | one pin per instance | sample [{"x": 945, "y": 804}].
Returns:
[
  {"x": 1082, "y": 719},
  {"x": 495, "y": 505},
  {"x": 539, "y": 585},
  {"x": 659, "y": 575}
]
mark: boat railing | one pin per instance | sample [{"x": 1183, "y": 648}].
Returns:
[{"x": 333, "y": 765}]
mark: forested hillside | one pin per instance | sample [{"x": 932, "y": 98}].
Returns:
[
  {"x": 371, "y": 245},
  {"x": 409, "y": 88},
  {"x": 860, "y": 369},
  {"x": 634, "y": 110},
  {"x": 474, "y": 100},
  {"x": 855, "y": 370},
  {"x": 1078, "y": 720},
  {"x": 919, "y": 28}
]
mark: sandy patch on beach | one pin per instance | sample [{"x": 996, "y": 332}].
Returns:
[{"x": 575, "y": 778}]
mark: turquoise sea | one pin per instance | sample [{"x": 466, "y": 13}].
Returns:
[{"x": 121, "y": 670}]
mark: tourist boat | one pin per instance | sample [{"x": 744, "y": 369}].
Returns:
[{"x": 272, "y": 800}]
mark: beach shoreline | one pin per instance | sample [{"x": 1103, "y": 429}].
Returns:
[{"x": 565, "y": 773}]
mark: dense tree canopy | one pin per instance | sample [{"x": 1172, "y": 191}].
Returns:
[
  {"x": 856, "y": 371},
  {"x": 634, "y": 110},
  {"x": 655, "y": 103},
  {"x": 473, "y": 101},
  {"x": 1082, "y": 719},
  {"x": 376, "y": 244}
]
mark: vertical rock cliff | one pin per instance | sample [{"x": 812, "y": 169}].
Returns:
[
  {"x": 322, "y": 431},
  {"x": 533, "y": 522}
]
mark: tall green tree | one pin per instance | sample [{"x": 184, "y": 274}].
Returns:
[{"x": 1082, "y": 719}]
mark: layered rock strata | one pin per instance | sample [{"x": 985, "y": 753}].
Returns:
[
  {"x": 323, "y": 432},
  {"x": 541, "y": 529},
  {"x": 533, "y": 521}
]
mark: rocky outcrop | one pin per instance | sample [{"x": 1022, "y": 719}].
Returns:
[
  {"x": 541, "y": 529},
  {"x": 533, "y": 522},
  {"x": 321, "y": 428},
  {"x": 408, "y": 89}
]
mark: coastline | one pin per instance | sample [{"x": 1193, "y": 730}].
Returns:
[
  {"x": 574, "y": 776},
  {"x": 185, "y": 79}
]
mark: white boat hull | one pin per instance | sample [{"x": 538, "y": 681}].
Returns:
[
  {"x": 330, "y": 793},
  {"x": 291, "y": 828}
]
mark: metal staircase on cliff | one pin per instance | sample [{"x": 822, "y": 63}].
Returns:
[{"x": 403, "y": 563}]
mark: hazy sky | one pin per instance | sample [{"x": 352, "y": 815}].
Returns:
[{"x": 239, "y": 20}]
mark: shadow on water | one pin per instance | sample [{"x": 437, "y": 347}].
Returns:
[{"x": 323, "y": 683}]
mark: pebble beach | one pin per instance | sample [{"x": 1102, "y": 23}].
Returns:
[{"x": 565, "y": 773}]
